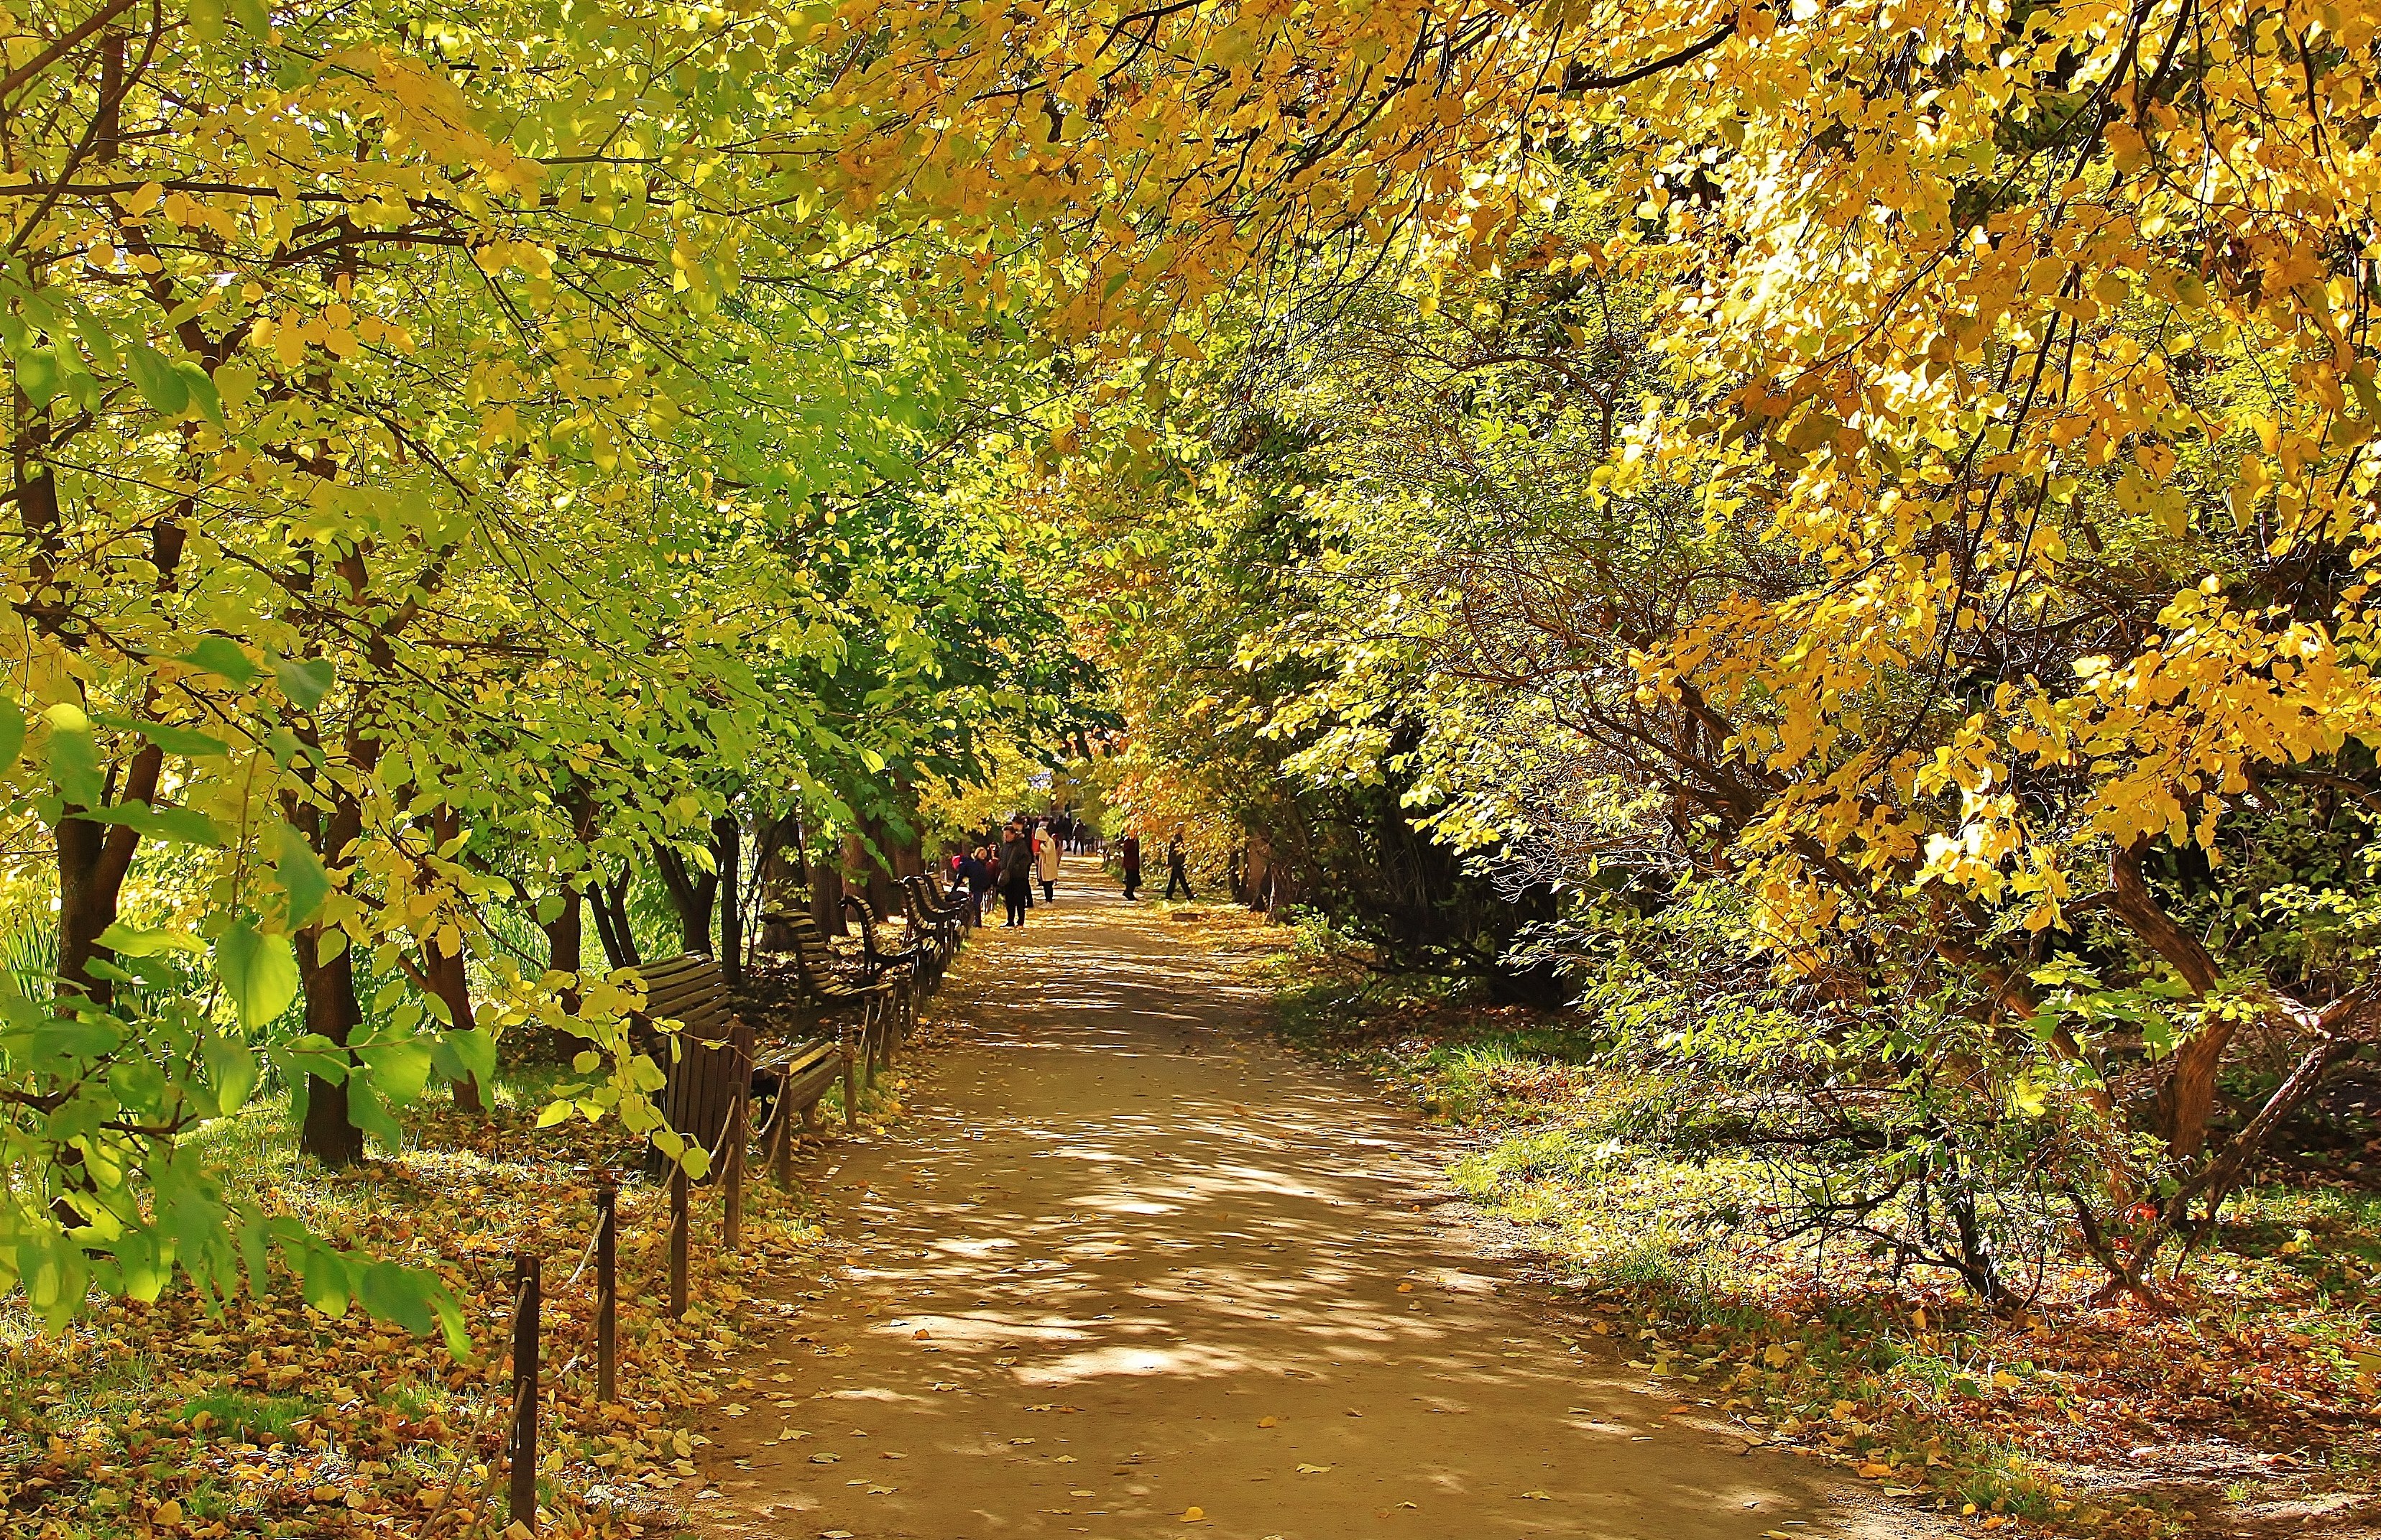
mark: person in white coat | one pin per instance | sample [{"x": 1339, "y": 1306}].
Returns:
[{"x": 1046, "y": 859}]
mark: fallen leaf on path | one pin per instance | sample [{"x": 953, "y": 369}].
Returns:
[
  {"x": 1312, "y": 1470},
  {"x": 1537, "y": 1496},
  {"x": 1193, "y": 1514},
  {"x": 1268, "y": 1421}
]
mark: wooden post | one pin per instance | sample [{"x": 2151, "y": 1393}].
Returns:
[
  {"x": 739, "y": 1133},
  {"x": 526, "y": 1282},
  {"x": 608, "y": 1291},
  {"x": 852, "y": 1086},
  {"x": 781, "y": 1145},
  {"x": 677, "y": 1242}
]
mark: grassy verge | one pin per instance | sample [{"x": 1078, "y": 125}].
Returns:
[
  {"x": 2250, "y": 1410},
  {"x": 271, "y": 1418}
]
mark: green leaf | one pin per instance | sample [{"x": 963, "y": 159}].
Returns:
[
  {"x": 70, "y": 1037},
  {"x": 398, "y": 1295},
  {"x": 252, "y": 19},
  {"x": 306, "y": 682},
  {"x": 556, "y": 1112},
  {"x": 186, "y": 741},
  {"x": 368, "y": 1112},
  {"x": 202, "y": 392},
  {"x": 231, "y": 1069},
  {"x": 130, "y": 941},
  {"x": 153, "y": 374},
  {"x": 301, "y": 873},
  {"x": 259, "y": 973},
  {"x": 468, "y": 1054},
  {"x": 221, "y": 655},
  {"x": 183, "y": 826},
  {"x": 74, "y": 758},
  {"x": 323, "y": 1278},
  {"x": 399, "y": 1070},
  {"x": 12, "y": 736},
  {"x": 96, "y": 337}
]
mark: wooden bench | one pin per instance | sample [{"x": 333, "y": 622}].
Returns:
[
  {"x": 905, "y": 968},
  {"x": 714, "y": 1068},
  {"x": 938, "y": 927},
  {"x": 876, "y": 960},
  {"x": 878, "y": 1005}
]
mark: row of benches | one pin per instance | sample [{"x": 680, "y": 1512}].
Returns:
[{"x": 719, "y": 1072}]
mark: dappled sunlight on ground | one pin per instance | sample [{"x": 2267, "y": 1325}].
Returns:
[{"x": 1125, "y": 1258}]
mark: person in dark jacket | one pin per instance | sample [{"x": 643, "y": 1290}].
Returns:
[
  {"x": 1015, "y": 875},
  {"x": 975, "y": 870},
  {"x": 1132, "y": 849},
  {"x": 1177, "y": 867}
]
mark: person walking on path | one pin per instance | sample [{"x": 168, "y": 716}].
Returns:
[
  {"x": 975, "y": 870},
  {"x": 1177, "y": 867},
  {"x": 1015, "y": 875},
  {"x": 1131, "y": 852},
  {"x": 1045, "y": 860}
]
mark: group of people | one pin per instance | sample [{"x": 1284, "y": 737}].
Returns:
[
  {"x": 1031, "y": 850},
  {"x": 1028, "y": 850},
  {"x": 1076, "y": 836}
]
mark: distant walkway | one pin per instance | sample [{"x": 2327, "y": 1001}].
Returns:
[{"x": 1124, "y": 1260}]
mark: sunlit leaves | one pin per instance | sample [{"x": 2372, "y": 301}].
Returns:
[{"x": 259, "y": 973}]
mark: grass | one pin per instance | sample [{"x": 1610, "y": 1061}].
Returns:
[{"x": 2055, "y": 1421}]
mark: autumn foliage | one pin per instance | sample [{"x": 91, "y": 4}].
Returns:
[{"x": 1894, "y": 476}]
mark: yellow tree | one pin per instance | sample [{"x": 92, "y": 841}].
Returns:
[{"x": 1977, "y": 315}]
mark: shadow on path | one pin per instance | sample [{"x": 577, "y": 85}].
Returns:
[{"x": 1125, "y": 1259}]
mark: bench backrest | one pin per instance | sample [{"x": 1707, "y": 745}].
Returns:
[
  {"x": 919, "y": 903},
  {"x": 813, "y": 957},
  {"x": 713, "y": 1066}
]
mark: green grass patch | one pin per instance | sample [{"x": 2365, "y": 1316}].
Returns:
[{"x": 251, "y": 1419}]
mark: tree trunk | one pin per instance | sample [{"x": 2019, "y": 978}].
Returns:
[
  {"x": 92, "y": 861},
  {"x": 449, "y": 973},
  {"x": 609, "y": 898},
  {"x": 329, "y": 1135},
  {"x": 690, "y": 895},
  {"x": 2190, "y": 1092},
  {"x": 875, "y": 866},
  {"x": 727, "y": 851}
]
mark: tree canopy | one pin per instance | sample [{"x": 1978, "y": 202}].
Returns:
[{"x": 1903, "y": 468}]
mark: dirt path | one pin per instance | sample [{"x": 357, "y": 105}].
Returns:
[{"x": 1127, "y": 1269}]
